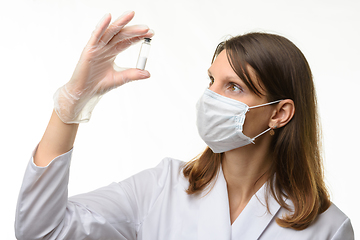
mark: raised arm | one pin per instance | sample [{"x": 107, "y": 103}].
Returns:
[
  {"x": 43, "y": 209},
  {"x": 58, "y": 139},
  {"x": 95, "y": 74}
]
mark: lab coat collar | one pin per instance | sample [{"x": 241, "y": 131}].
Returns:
[
  {"x": 214, "y": 222},
  {"x": 255, "y": 217},
  {"x": 214, "y": 219}
]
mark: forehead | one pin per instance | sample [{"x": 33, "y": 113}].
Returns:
[{"x": 222, "y": 67}]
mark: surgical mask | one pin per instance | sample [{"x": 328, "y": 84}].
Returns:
[{"x": 220, "y": 121}]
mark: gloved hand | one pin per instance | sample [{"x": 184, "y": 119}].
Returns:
[{"x": 96, "y": 72}]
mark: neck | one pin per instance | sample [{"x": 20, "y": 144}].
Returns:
[{"x": 245, "y": 170}]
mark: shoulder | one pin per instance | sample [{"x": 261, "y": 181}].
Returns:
[
  {"x": 171, "y": 164},
  {"x": 334, "y": 213},
  {"x": 166, "y": 168},
  {"x": 332, "y": 224},
  {"x": 336, "y": 222},
  {"x": 154, "y": 185},
  {"x": 168, "y": 171}
]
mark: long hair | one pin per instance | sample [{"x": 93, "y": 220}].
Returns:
[{"x": 296, "y": 172}]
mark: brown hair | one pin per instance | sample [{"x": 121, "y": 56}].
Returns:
[{"x": 296, "y": 172}]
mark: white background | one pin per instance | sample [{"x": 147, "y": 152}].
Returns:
[{"x": 137, "y": 125}]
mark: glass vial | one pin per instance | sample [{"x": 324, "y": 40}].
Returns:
[{"x": 144, "y": 53}]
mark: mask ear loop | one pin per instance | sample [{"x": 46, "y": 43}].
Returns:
[
  {"x": 269, "y": 129},
  {"x": 261, "y": 105},
  {"x": 253, "y": 139},
  {"x": 265, "y": 104}
]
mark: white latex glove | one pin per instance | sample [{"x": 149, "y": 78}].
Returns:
[{"x": 96, "y": 72}]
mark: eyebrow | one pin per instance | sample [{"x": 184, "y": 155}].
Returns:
[{"x": 236, "y": 77}]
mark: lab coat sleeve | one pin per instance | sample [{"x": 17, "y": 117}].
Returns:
[
  {"x": 42, "y": 199},
  {"x": 44, "y": 210},
  {"x": 345, "y": 232}
]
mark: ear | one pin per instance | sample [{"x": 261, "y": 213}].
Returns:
[{"x": 282, "y": 114}]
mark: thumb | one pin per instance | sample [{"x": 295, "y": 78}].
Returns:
[{"x": 129, "y": 75}]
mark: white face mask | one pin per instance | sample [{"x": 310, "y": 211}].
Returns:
[{"x": 220, "y": 121}]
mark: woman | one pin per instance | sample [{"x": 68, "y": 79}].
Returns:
[{"x": 260, "y": 178}]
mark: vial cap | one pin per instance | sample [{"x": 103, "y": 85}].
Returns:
[{"x": 147, "y": 40}]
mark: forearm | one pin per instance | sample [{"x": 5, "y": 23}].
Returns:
[{"x": 58, "y": 139}]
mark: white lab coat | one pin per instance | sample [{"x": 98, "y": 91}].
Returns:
[{"x": 152, "y": 205}]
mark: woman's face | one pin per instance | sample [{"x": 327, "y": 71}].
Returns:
[{"x": 224, "y": 81}]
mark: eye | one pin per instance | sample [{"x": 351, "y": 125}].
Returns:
[
  {"x": 235, "y": 88},
  {"x": 211, "y": 78}
]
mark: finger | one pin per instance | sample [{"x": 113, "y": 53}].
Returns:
[
  {"x": 129, "y": 75},
  {"x": 116, "y": 26},
  {"x": 149, "y": 34},
  {"x": 129, "y": 32},
  {"x": 100, "y": 29},
  {"x": 114, "y": 50},
  {"x": 125, "y": 43}
]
